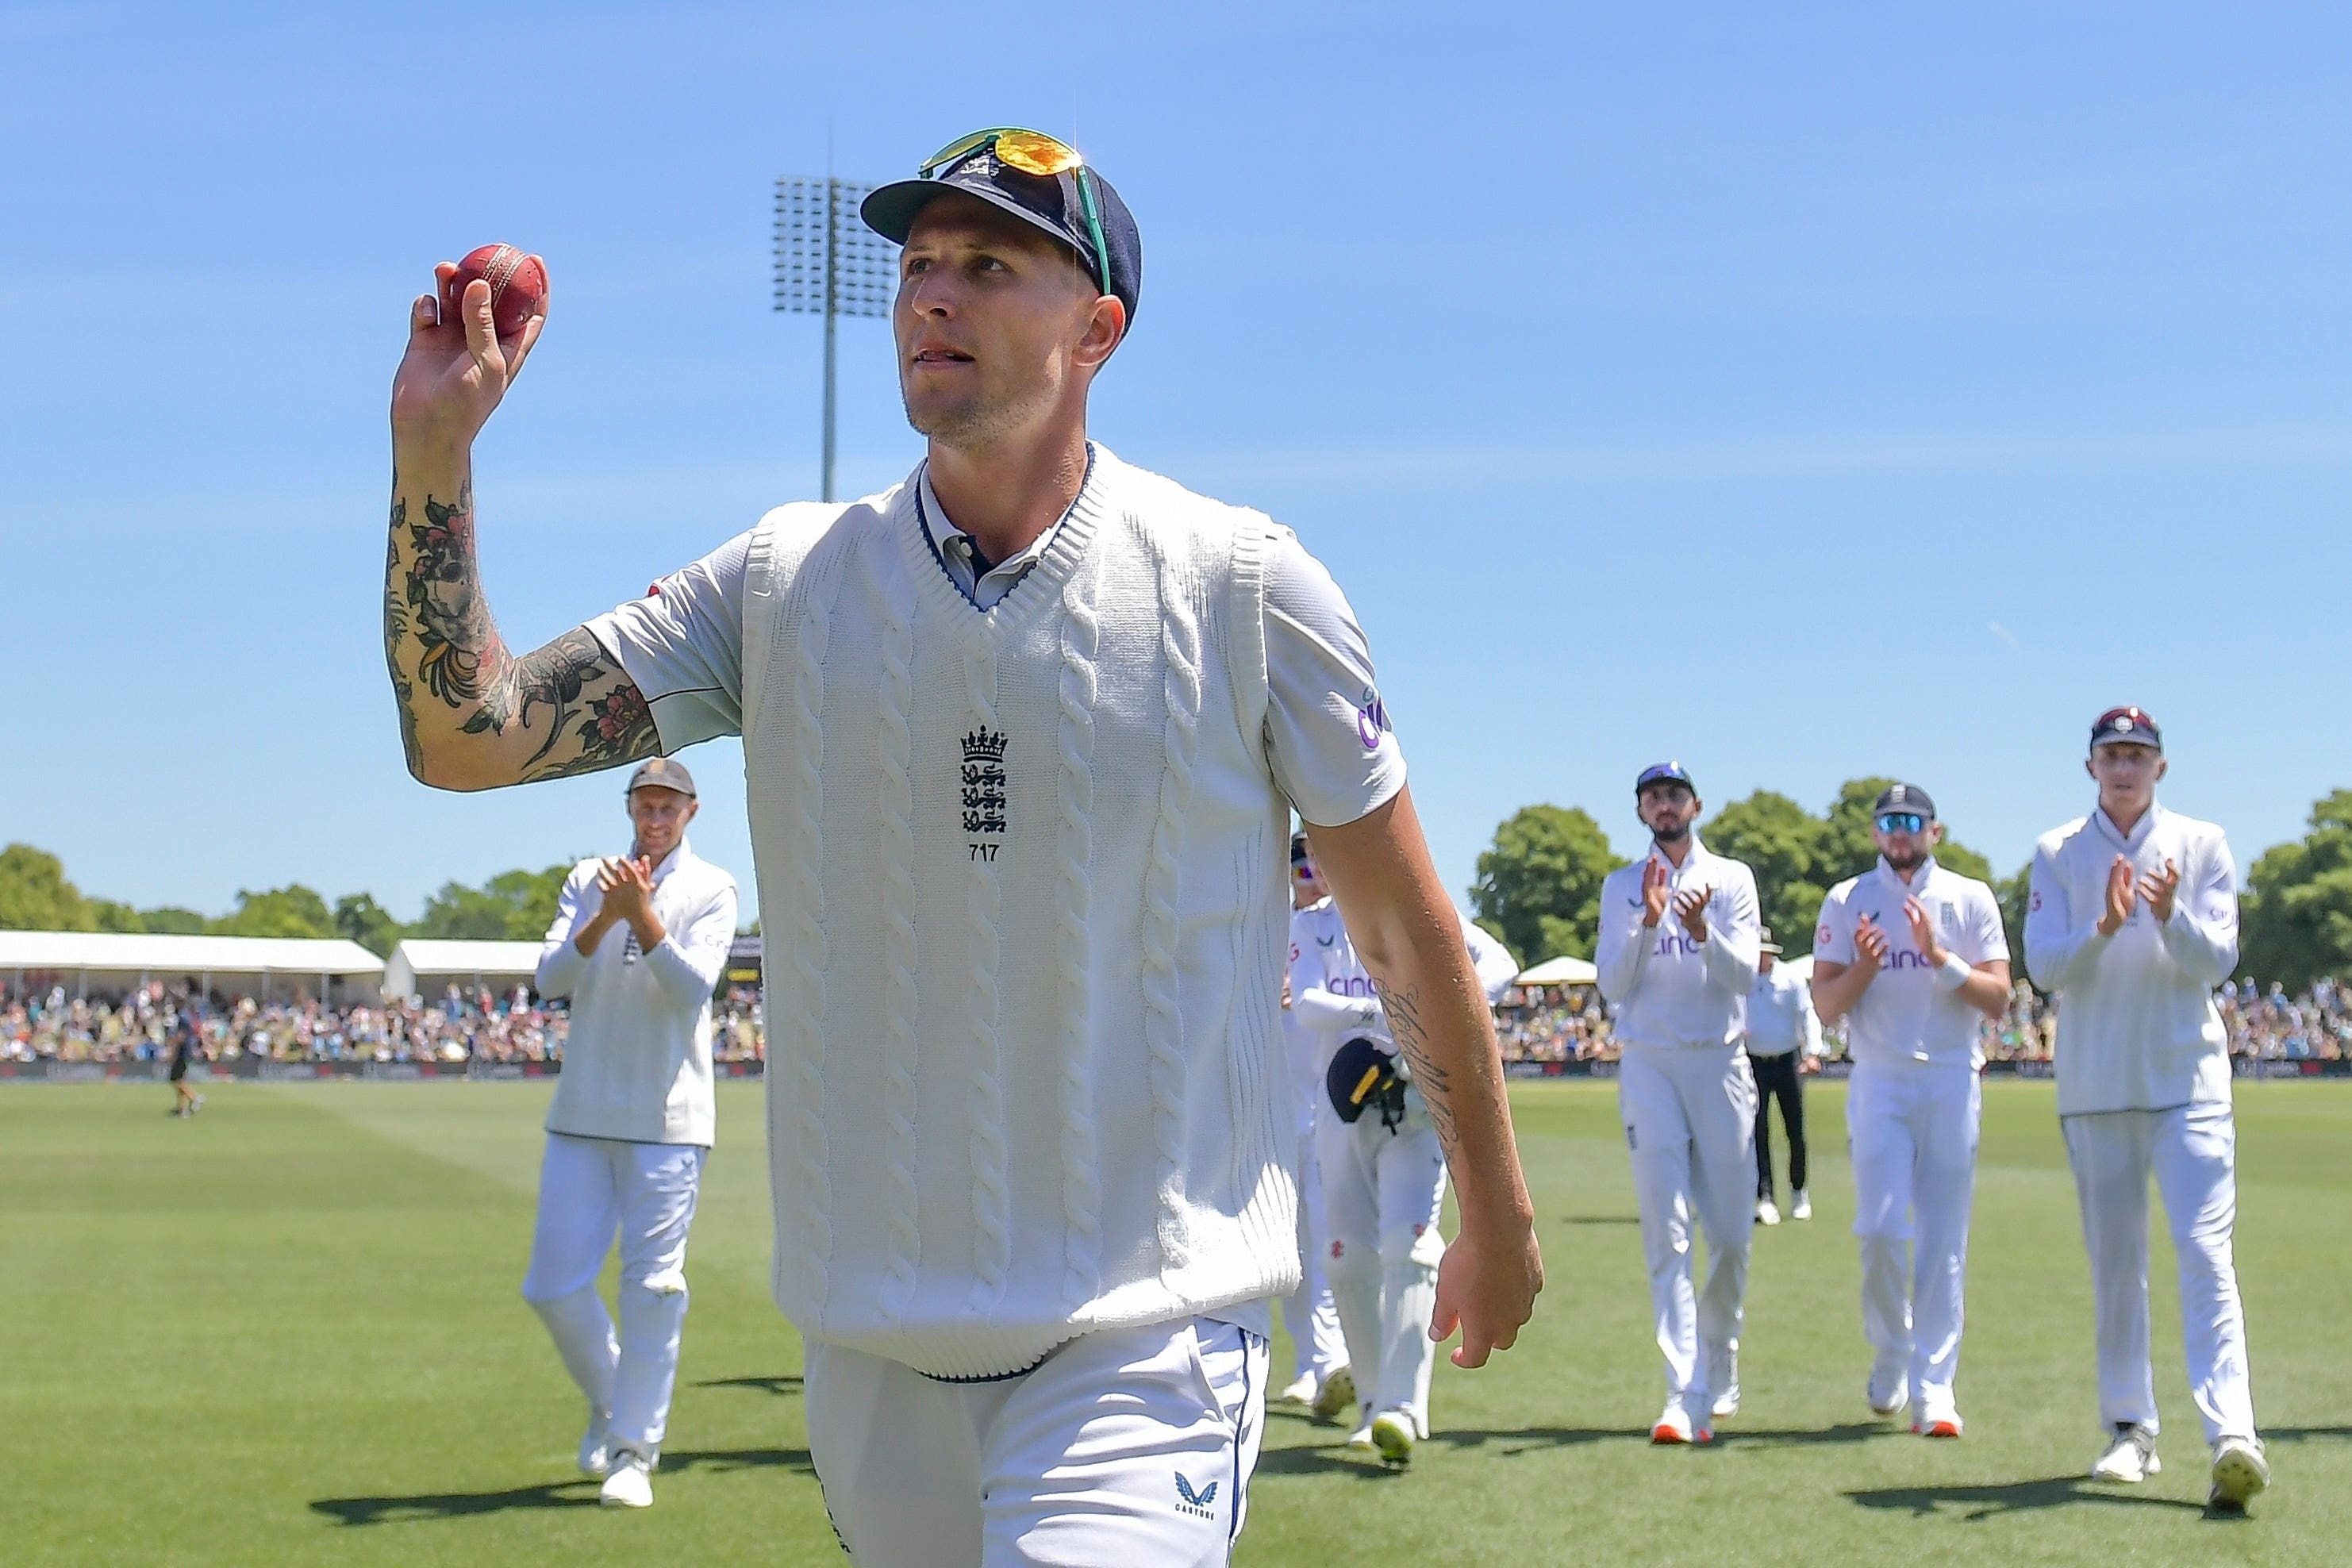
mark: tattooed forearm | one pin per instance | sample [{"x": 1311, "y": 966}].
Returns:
[
  {"x": 1403, "y": 1006},
  {"x": 566, "y": 709}
]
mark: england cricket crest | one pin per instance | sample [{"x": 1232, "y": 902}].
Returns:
[{"x": 984, "y": 785}]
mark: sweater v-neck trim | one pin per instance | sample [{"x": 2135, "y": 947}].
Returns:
[{"x": 983, "y": 629}]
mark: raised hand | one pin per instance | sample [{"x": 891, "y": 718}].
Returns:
[
  {"x": 1923, "y": 931},
  {"x": 1690, "y": 908},
  {"x": 1870, "y": 946},
  {"x": 2121, "y": 894},
  {"x": 456, "y": 367},
  {"x": 2159, "y": 890},
  {"x": 1653, "y": 892}
]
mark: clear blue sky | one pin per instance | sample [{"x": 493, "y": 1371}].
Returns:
[{"x": 1800, "y": 391}]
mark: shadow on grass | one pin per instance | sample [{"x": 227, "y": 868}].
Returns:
[
  {"x": 2302, "y": 1434},
  {"x": 579, "y": 1493},
  {"x": 1528, "y": 1440},
  {"x": 1600, "y": 1219},
  {"x": 1993, "y": 1501},
  {"x": 1321, "y": 1462},
  {"x": 785, "y": 1385}
]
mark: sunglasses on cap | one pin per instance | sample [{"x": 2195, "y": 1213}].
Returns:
[
  {"x": 1032, "y": 152},
  {"x": 1901, "y": 822}
]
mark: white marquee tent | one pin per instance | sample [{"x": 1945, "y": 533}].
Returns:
[
  {"x": 422, "y": 968},
  {"x": 1560, "y": 971},
  {"x": 120, "y": 961}
]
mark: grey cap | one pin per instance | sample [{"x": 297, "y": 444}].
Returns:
[{"x": 664, "y": 772}]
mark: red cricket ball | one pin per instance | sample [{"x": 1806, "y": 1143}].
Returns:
[{"x": 518, "y": 284}]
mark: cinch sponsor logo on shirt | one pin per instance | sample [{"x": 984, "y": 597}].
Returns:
[
  {"x": 1673, "y": 944},
  {"x": 1908, "y": 961},
  {"x": 1371, "y": 718},
  {"x": 1352, "y": 985}
]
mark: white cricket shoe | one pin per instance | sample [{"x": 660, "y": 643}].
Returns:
[
  {"x": 1361, "y": 1439},
  {"x": 1726, "y": 1404},
  {"x": 1937, "y": 1418},
  {"x": 1338, "y": 1397},
  {"x": 2240, "y": 1471},
  {"x": 1803, "y": 1207},
  {"x": 630, "y": 1484},
  {"x": 2130, "y": 1458},
  {"x": 1673, "y": 1426},
  {"x": 1889, "y": 1393},
  {"x": 1766, "y": 1212},
  {"x": 1302, "y": 1391},
  {"x": 1394, "y": 1436},
  {"x": 595, "y": 1447}
]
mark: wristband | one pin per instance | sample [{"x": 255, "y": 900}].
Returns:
[{"x": 1953, "y": 973}]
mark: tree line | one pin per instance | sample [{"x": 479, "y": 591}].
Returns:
[
  {"x": 513, "y": 906},
  {"x": 1539, "y": 886}
]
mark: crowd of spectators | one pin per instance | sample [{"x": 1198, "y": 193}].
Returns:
[
  {"x": 1561, "y": 1024},
  {"x": 464, "y": 1025},
  {"x": 1570, "y": 1024}
]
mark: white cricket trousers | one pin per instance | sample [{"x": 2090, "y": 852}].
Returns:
[
  {"x": 2193, "y": 1151},
  {"x": 1317, "y": 1348},
  {"x": 1383, "y": 1191},
  {"x": 590, "y": 1190},
  {"x": 1124, "y": 1448},
  {"x": 1912, "y": 1130},
  {"x": 1690, "y": 1122}
]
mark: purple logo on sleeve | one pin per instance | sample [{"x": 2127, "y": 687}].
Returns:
[{"x": 1371, "y": 719}]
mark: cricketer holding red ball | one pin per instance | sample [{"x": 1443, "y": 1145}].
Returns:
[{"x": 1021, "y": 734}]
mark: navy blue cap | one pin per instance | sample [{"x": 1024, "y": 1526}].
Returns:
[
  {"x": 2120, "y": 725},
  {"x": 1904, "y": 797},
  {"x": 1665, "y": 772},
  {"x": 1051, "y": 202},
  {"x": 1298, "y": 850}
]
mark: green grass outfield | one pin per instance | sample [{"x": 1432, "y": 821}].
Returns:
[{"x": 287, "y": 1331}]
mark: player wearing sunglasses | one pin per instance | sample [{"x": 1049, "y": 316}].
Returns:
[
  {"x": 1679, "y": 941},
  {"x": 2132, "y": 920},
  {"x": 1019, "y": 733},
  {"x": 1912, "y": 956}
]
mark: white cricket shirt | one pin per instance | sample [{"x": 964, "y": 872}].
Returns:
[
  {"x": 636, "y": 1066},
  {"x": 1905, "y": 1016},
  {"x": 1780, "y": 1016},
  {"x": 1666, "y": 988},
  {"x": 2138, "y": 1029}
]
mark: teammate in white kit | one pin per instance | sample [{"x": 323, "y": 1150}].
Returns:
[
  {"x": 637, "y": 944},
  {"x": 1383, "y": 1176},
  {"x": 1020, "y": 736},
  {"x": 2131, "y": 921},
  {"x": 1679, "y": 941},
  {"x": 1321, "y": 1376},
  {"x": 1911, "y": 954}
]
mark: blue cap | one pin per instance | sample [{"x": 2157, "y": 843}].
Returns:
[
  {"x": 1050, "y": 202},
  {"x": 1665, "y": 772},
  {"x": 2131, "y": 726}
]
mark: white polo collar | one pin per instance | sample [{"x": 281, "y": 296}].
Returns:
[
  {"x": 1927, "y": 871},
  {"x": 2140, "y": 830}
]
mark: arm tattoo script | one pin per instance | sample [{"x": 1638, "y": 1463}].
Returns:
[
  {"x": 1403, "y": 1006},
  {"x": 438, "y": 634}
]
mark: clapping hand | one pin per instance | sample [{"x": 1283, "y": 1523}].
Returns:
[
  {"x": 628, "y": 888},
  {"x": 1869, "y": 945},
  {"x": 2121, "y": 894},
  {"x": 1923, "y": 931},
  {"x": 1690, "y": 908},
  {"x": 1653, "y": 892},
  {"x": 2159, "y": 890}
]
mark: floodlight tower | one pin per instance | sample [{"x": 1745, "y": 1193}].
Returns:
[{"x": 829, "y": 264}]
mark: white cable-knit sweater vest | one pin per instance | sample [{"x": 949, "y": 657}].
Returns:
[{"x": 1021, "y": 879}]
